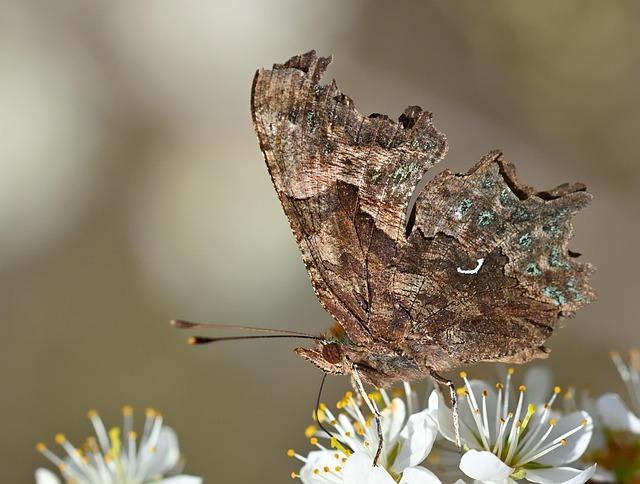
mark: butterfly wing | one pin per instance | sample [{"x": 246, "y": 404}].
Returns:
[
  {"x": 486, "y": 271},
  {"x": 344, "y": 181},
  {"x": 480, "y": 271}
]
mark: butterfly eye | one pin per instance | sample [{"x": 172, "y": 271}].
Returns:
[{"x": 331, "y": 353}]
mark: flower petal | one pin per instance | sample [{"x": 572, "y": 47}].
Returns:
[
  {"x": 181, "y": 480},
  {"x": 393, "y": 418},
  {"x": 484, "y": 466},
  {"x": 576, "y": 444},
  {"x": 166, "y": 455},
  {"x": 616, "y": 415},
  {"x": 359, "y": 470},
  {"x": 45, "y": 476},
  {"x": 604, "y": 475},
  {"x": 560, "y": 475},
  {"x": 416, "y": 441},
  {"x": 419, "y": 475},
  {"x": 319, "y": 459}
]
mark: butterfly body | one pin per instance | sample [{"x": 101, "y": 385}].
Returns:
[{"x": 479, "y": 270}]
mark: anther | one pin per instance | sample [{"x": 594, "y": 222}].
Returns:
[
  {"x": 463, "y": 374},
  {"x": 522, "y": 388},
  {"x": 313, "y": 440},
  {"x": 92, "y": 413},
  {"x": 60, "y": 439},
  {"x": 127, "y": 410},
  {"x": 563, "y": 442},
  {"x": 552, "y": 422},
  {"x": 557, "y": 390},
  {"x": 511, "y": 371},
  {"x": 40, "y": 447},
  {"x": 310, "y": 431},
  {"x": 291, "y": 452}
]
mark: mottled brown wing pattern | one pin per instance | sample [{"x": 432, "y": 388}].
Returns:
[
  {"x": 528, "y": 279},
  {"x": 344, "y": 181},
  {"x": 415, "y": 287}
]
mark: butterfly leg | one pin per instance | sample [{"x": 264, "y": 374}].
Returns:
[
  {"x": 359, "y": 387},
  {"x": 454, "y": 402}
]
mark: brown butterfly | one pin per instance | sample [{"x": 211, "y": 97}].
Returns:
[{"x": 477, "y": 270}]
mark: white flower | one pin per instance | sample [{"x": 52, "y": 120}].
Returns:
[
  {"x": 507, "y": 439},
  {"x": 407, "y": 437},
  {"x": 614, "y": 413},
  {"x": 109, "y": 459}
]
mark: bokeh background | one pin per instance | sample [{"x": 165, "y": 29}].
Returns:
[{"x": 132, "y": 191}]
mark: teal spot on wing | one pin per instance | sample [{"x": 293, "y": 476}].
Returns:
[
  {"x": 486, "y": 217},
  {"x": 556, "y": 259},
  {"x": 576, "y": 294},
  {"x": 488, "y": 181},
  {"x": 405, "y": 171},
  {"x": 555, "y": 224},
  {"x": 532, "y": 269},
  {"x": 525, "y": 241},
  {"x": 555, "y": 293},
  {"x": 521, "y": 214},
  {"x": 463, "y": 208},
  {"x": 506, "y": 198}
]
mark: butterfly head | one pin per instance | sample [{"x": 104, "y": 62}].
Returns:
[{"x": 327, "y": 355}]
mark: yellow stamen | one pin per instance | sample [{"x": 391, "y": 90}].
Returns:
[
  {"x": 511, "y": 371},
  {"x": 563, "y": 442},
  {"x": 326, "y": 469},
  {"x": 116, "y": 443},
  {"x": 531, "y": 410},
  {"x": 294, "y": 475},
  {"x": 40, "y": 447},
  {"x": 463, "y": 374},
  {"x": 291, "y": 452},
  {"x": 338, "y": 468},
  {"x": 313, "y": 441},
  {"x": 557, "y": 390},
  {"x": 92, "y": 413},
  {"x": 150, "y": 412},
  {"x": 127, "y": 410},
  {"x": 60, "y": 439},
  {"x": 553, "y": 422},
  {"x": 522, "y": 388},
  {"x": 310, "y": 431}
]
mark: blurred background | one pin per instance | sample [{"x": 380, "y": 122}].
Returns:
[{"x": 132, "y": 191}]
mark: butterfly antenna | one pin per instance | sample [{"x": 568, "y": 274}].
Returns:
[
  {"x": 317, "y": 410},
  {"x": 201, "y": 340},
  {"x": 181, "y": 324}
]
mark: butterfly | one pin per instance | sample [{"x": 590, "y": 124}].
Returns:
[{"x": 478, "y": 269}]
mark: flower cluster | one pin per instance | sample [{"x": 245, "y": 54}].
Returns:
[
  {"x": 509, "y": 432},
  {"x": 408, "y": 439},
  {"x": 117, "y": 456}
]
